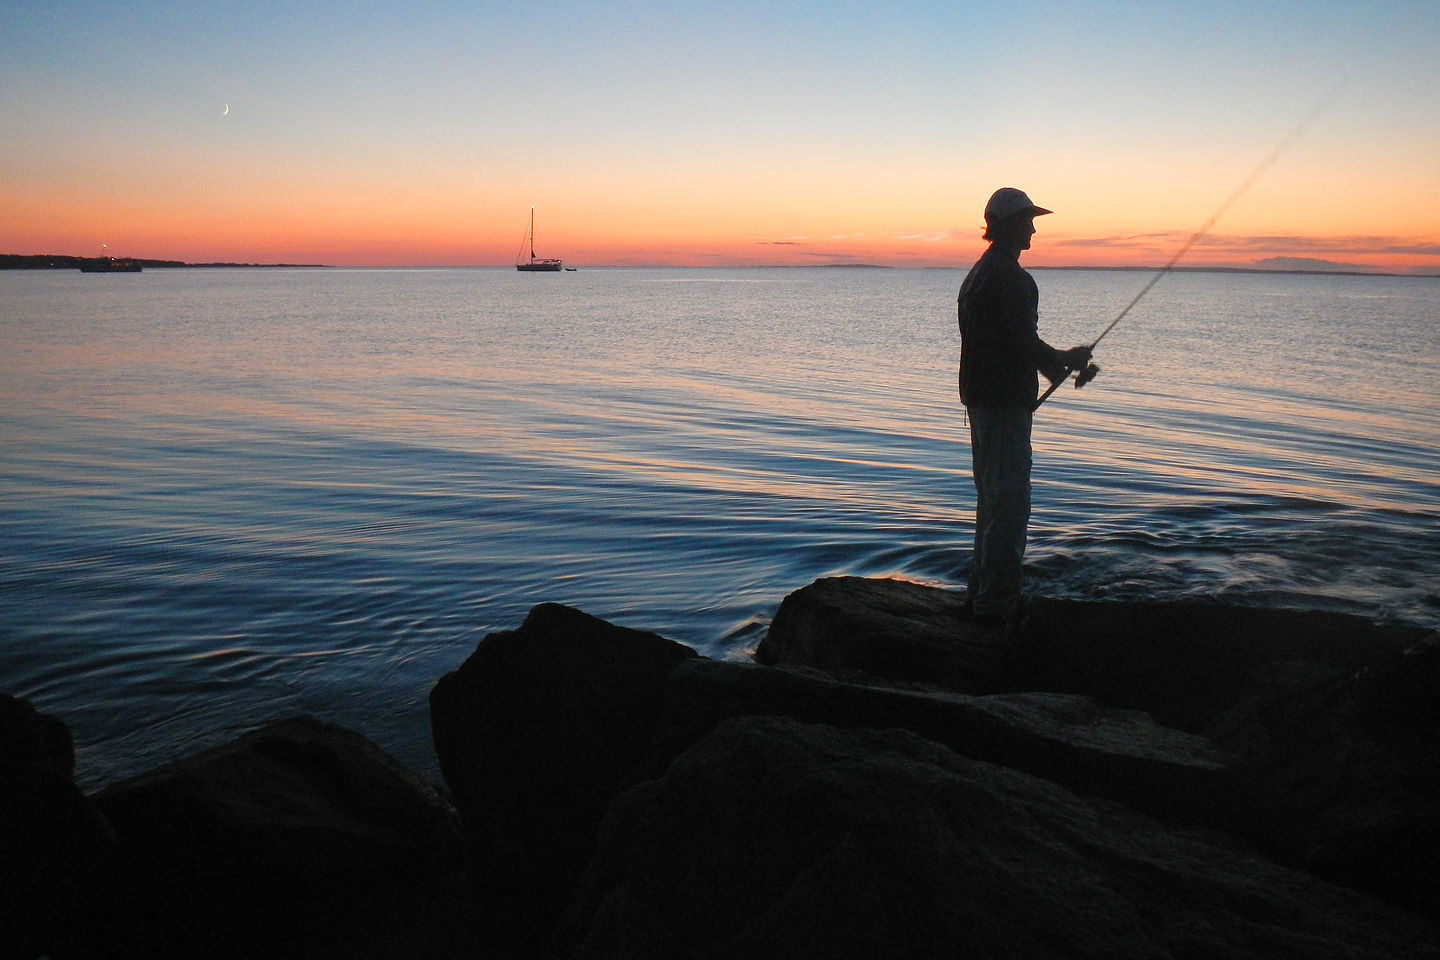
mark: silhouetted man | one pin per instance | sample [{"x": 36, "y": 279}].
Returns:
[{"x": 1000, "y": 354}]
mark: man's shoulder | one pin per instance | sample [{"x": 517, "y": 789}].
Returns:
[
  {"x": 1002, "y": 260},
  {"x": 996, "y": 267}
]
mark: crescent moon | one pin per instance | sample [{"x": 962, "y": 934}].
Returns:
[{"x": 226, "y": 111}]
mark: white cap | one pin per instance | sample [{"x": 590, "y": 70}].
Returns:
[{"x": 1008, "y": 202}]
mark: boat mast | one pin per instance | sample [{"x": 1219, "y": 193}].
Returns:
[{"x": 532, "y": 233}]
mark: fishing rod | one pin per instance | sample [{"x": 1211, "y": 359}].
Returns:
[{"x": 1088, "y": 373}]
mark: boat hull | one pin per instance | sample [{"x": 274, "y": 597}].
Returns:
[{"x": 539, "y": 266}]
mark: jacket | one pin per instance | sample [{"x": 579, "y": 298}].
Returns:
[{"x": 1000, "y": 346}]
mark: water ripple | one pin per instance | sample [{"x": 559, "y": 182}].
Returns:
[{"x": 319, "y": 499}]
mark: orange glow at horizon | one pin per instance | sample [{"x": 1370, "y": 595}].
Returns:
[
  {"x": 366, "y": 221},
  {"x": 409, "y": 232}
]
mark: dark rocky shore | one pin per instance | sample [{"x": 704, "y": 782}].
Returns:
[{"x": 886, "y": 781}]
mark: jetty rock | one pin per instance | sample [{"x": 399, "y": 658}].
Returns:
[
  {"x": 1332, "y": 721},
  {"x": 892, "y": 780},
  {"x": 884, "y": 778},
  {"x": 773, "y": 838},
  {"x": 298, "y": 839},
  {"x": 53, "y": 841}
]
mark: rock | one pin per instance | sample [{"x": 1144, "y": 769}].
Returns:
[
  {"x": 52, "y": 840},
  {"x": 299, "y": 839},
  {"x": 1403, "y": 691},
  {"x": 1334, "y": 728},
  {"x": 542, "y": 727},
  {"x": 33, "y": 740},
  {"x": 890, "y": 629},
  {"x": 857, "y": 798},
  {"x": 773, "y": 838},
  {"x": 1069, "y": 739},
  {"x": 1339, "y": 773},
  {"x": 535, "y": 733},
  {"x": 1182, "y": 663}
]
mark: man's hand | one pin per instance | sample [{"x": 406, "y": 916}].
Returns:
[{"x": 1076, "y": 357}]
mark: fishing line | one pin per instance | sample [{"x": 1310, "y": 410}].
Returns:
[{"x": 1085, "y": 376}]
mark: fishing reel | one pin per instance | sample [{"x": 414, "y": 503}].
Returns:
[
  {"x": 1082, "y": 377},
  {"x": 1086, "y": 375}
]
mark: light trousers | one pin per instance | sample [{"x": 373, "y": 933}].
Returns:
[{"x": 1000, "y": 463}]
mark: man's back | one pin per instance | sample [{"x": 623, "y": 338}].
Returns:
[{"x": 1000, "y": 349}]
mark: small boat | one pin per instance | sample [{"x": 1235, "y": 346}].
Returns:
[
  {"x": 534, "y": 264},
  {"x": 109, "y": 265}
]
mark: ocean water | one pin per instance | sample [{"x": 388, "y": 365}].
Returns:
[{"x": 228, "y": 496}]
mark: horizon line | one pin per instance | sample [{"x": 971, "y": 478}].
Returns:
[{"x": 160, "y": 263}]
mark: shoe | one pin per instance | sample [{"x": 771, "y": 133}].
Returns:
[
  {"x": 988, "y": 620},
  {"x": 991, "y": 621}
]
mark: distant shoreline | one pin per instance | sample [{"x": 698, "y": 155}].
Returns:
[
  {"x": 1311, "y": 272},
  {"x": 1314, "y": 272},
  {"x": 48, "y": 261},
  {"x": 15, "y": 261}
]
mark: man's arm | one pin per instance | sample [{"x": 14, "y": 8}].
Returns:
[{"x": 1055, "y": 364}]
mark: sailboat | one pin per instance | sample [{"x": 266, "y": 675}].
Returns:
[{"x": 534, "y": 264}]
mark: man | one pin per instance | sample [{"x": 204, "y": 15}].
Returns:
[{"x": 1000, "y": 353}]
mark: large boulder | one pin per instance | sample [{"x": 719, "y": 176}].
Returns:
[
  {"x": 543, "y": 726},
  {"x": 1183, "y": 663},
  {"x": 1339, "y": 772},
  {"x": 299, "y": 839},
  {"x": 52, "y": 839},
  {"x": 1334, "y": 727},
  {"x": 905, "y": 633},
  {"x": 777, "y": 839},
  {"x": 1070, "y": 739},
  {"x": 535, "y": 732}
]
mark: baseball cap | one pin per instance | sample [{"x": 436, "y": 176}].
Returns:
[{"x": 1009, "y": 202}]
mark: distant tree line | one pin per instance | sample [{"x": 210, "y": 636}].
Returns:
[
  {"x": 55, "y": 261},
  {"x": 52, "y": 261}
]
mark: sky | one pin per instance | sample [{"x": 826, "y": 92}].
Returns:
[{"x": 726, "y": 133}]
